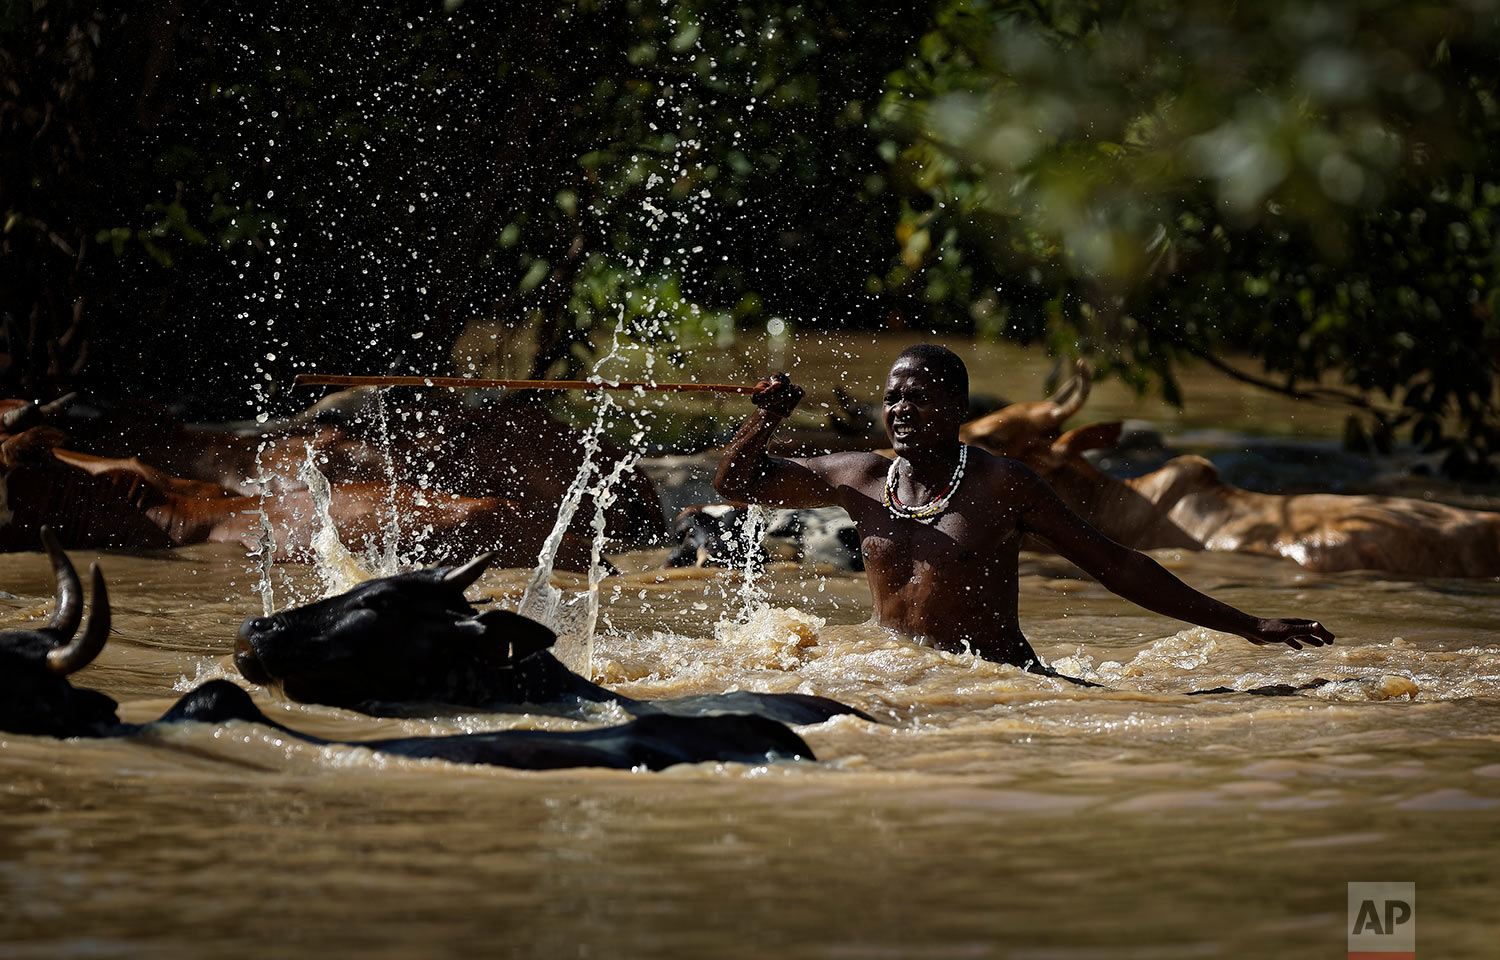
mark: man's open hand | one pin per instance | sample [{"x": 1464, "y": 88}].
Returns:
[
  {"x": 777, "y": 396},
  {"x": 1292, "y": 631}
]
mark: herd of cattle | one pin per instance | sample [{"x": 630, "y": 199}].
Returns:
[
  {"x": 474, "y": 480},
  {"x": 461, "y": 479},
  {"x": 1183, "y": 504},
  {"x": 400, "y": 645},
  {"x": 458, "y": 479}
]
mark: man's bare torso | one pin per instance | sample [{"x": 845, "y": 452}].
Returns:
[{"x": 950, "y": 584}]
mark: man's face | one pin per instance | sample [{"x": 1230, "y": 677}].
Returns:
[{"x": 921, "y": 412}]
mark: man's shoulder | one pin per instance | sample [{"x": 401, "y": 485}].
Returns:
[
  {"x": 998, "y": 469},
  {"x": 994, "y": 462},
  {"x": 849, "y": 463}
]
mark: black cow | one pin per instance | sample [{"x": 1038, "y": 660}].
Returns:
[
  {"x": 399, "y": 645},
  {"x": 35, "y": 695},
  {"x": 37, "y": 699},
  {"x": 713, "y": 536},
  {"x": 653, "y": 742}
]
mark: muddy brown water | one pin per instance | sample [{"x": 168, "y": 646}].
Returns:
[{"x": 987, "y": 814}]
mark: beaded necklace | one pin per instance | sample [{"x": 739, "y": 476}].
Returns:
[{"x": 924, "y": 512}]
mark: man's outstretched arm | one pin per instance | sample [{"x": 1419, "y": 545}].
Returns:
[
  {"x": 748, "y": 474},
  {"x": 1138, "y": 578}
]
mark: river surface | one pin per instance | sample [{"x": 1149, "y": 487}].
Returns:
[{"x": 986, "y": 814}]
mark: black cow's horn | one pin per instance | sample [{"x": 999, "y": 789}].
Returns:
[
  {"x": 21, "y": 417},
  {"x": 464, "y": 576},
  {"x": 1070, "y": 396},
  {"x": 69, "y": 591},
  {"x": 81, "y": 651}
]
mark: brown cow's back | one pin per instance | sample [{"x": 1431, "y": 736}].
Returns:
[
  {"x": 1184, "y": 504},
  {"x": 99, "y": 502},
  {"x": 1332, "y": 532}
]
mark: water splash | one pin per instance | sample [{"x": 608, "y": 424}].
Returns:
[
  {"x": 765, "y": 636},
  {"x": 573, "y": 618},
  {"x": 752, "y": 532},
  {"x": 604, "y": 498},
  {"x": 335, "y": 563},
  {"x": 265, "y": 551},
  {"x": 391, "y": 529},
  {"x": 265, "y": 554}
]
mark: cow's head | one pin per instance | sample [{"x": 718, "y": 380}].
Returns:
[
  {"x": 709, "y": 536},
  {"x": 409, "y": 637},
  {"x": 35, "y": 695},
  {"x": 1032, "y": 432},
  {"x": 26, "y": 431},
  {"x": 714, "y": 536}
]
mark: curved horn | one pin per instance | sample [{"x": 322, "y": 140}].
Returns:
[
  {"x": 1070, "y": 396},
  {"x": 60, "y": 405},
  {"x": 464, "y": 576},
  {"x": 81, "y": 651},
  {"x": 69, "y": 591},
  {"x": 20, "y": 418}
]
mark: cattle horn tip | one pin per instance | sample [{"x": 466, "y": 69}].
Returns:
[
  {"x": 463, "y": 577},
  {"x": 1070, "y": 397},
  {"x": 69, "y": 591},
  {"x": 81, "y": 651}
]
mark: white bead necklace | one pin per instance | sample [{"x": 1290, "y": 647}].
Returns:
[{"x": 925, "y": 512}]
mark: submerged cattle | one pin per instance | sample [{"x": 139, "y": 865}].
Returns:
[
  {"x": 123, "y": 503},
  {"x": 435, "y": 444},
  {"x": 406, "y": 643},
  {"x": 715, "y": 536},
  {"x": 37, "y": 699},
  {"x": 35, "y": 695},
  {"x": 1185, "y": 505}
]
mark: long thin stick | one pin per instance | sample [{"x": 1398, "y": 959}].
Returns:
[{"x": 338, "y": 380}]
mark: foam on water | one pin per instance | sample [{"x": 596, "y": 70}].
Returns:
[{"x": 770, "y": 637}]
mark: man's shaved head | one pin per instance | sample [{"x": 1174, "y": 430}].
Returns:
[{"x": 942, "y": 364}]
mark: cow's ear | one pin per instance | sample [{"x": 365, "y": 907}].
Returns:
[
  {"x": 523, "y": 635},
  {"x": 1095, "y": 436}
]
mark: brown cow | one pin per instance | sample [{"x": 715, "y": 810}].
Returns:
[
  {"x": 122, "y": 503},
  {"x": 516, "y": 452},
  {"x": 1184, "y": 504},
  {"x": 522, "y": 453}
]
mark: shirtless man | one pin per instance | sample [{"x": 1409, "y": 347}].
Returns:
[{"x": 941, "y": 528}]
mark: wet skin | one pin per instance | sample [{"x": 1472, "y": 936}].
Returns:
[{"x": 951, "y": 584}]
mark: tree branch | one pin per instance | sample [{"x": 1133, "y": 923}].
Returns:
[{"x": 1316, "y": 394}]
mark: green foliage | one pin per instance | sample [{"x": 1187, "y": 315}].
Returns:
[
  {"x": 351, "y": 185},
  {"x": 213, "y": 196},
  {"x": 1310, "y": 184}
]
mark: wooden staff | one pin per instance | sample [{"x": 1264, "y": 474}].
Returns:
[{"x": 338, "y": 380}]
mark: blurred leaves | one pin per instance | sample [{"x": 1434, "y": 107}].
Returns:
[
  {"x": 340, "y": 178},
  {"x": 1313, "y": 185},
  {"x": 1301, "y": 194}
]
